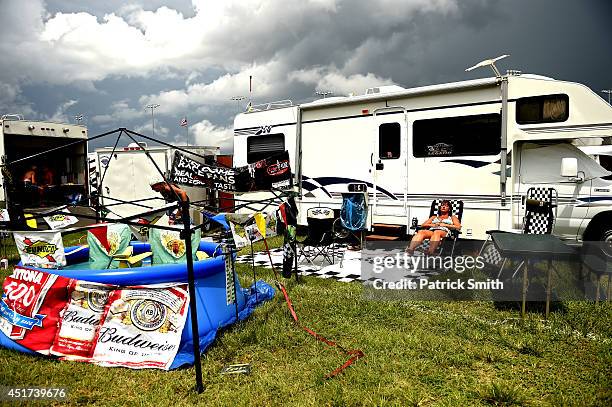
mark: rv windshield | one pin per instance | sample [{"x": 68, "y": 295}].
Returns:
[{"x": 541, "y": 163}]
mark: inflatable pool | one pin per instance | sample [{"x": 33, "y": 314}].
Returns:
[{"x": 214, "y": 311}]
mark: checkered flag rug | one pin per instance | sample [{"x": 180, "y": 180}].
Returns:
[{"x": 346, "y": 267}]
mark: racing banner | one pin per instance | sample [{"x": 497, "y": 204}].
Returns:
[
  {"x": 187, "y": 171},
  {"x": 135, "y": 327},
  {"x": 29, "y": 310},
  {"x": 273, "y": 172},
  {"x": 41, "y": 249}
]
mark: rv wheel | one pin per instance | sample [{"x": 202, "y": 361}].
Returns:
[{"x": 606, "y": 237}]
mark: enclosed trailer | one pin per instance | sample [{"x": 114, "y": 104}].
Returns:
[
  {"x": 484, "y": 141},
  {"x": 122, "y": 176},
  {"x": 53, "y": 153}
]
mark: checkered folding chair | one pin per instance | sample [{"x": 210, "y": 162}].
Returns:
[
  {"x": 539, "y": 219},
  {"x": 457, "y": 210},
  {"x": 319, "y": 241}
]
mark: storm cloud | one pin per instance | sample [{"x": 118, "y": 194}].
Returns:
[{"x": 108, "y": 60}]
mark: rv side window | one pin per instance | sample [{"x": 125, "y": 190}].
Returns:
[
  {"x": 542, "y": 109},
  {"x": 457, "y": 136},
  {"x": 389, "y": 141},
  {"x": 260, "y": 147}
]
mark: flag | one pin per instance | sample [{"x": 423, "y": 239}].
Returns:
[{"x": 184, "y": 122}]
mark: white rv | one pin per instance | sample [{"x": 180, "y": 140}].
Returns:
[
  {"x": 484, "y": 141},
  {"x": 121, "y": 176},
  {"x": 64, "y": 162}
]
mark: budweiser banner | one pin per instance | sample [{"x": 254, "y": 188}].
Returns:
[
  {"x": 142, "y": 328},
  {"x": 80, "y": 319},
  {"x": 270, "y": 173},
  {"x": 41, "y": 249},
  {"x": 135, "y": 327}
]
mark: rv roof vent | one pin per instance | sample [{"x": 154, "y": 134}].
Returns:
[
  {"x": 11, "y": 117},
  {"x": 384, "y": 89},
  {"x": 135, "y": 146}
]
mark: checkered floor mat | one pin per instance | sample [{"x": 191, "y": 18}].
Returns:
[{"x": 346, "y": 267}]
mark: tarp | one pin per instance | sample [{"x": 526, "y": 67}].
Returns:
[{"x": 541, "y": 164}]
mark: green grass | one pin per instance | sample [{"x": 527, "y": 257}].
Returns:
[{"x": 417, "y": 354}]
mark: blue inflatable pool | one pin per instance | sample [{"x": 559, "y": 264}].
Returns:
[{"x": 210, "y": 282}]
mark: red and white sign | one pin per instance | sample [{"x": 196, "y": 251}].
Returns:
[
  {"x": 30, "y": 307},
  {"x": 142, "y": 328}
]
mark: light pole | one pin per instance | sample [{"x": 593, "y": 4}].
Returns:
[
  {"x": 324, "y": 93},
  {"x": 238, "y": 99},
  {"x": 152, "y": 106},
  {"x": 608, "y": 91},
  {"x": 78, "y": 118}
]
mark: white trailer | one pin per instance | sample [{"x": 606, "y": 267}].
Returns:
[
  {"x": 484, "y": 141},
  {"x": 122, "y": 176},
  {"x": 65, "y": 161}
]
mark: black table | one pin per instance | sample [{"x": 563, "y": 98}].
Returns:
[{"x": 540, "y": 247}]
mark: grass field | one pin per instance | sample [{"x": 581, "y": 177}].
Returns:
[{"x": 417, "y": 354}]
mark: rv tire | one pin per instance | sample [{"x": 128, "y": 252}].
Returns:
[{"x": 605, "y": 236}]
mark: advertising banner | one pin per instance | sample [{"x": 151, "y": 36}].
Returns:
[
  {"x": 141, "y": 328},
  {"x": 60, "y": 221},
  {"x": 41, "y": 249},
  {"x": 135, "y": 327},
  {"x": 30, "y": 307},
  {"x": 273, "y": 172}
]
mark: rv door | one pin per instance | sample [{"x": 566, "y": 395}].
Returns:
[{"x": 389, "y": 163}]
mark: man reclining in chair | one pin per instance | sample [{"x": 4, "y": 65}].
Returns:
[{"x": 436, "y": 229}]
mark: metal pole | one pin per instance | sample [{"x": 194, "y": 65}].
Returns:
[
  {"x": 298, "y": 151},
  {"x": 608, "y": 91},
  {"x": 152, "y": 106},
  {"x": 193, "y": 304},
  {"x": 253, "y": 265},
  {"x": 504, "y": 140}
]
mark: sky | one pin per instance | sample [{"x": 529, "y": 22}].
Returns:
[{"x": 108, "y": 60}]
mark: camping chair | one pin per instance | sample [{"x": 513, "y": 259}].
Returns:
[
  {"x": 453, "y": 235},
  {"x": 539, "y": 219},
  {"x": 353, "y": 217},
  {"x": 319, "y": 241}
]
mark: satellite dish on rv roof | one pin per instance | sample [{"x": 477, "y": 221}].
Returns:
[{"x": 489, "y": 62}]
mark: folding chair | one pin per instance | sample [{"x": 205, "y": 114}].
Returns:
[
  {"x": 456, "y": 210},
  {"x": 353, "y": 219},
  {"x": 353, "y": 216},
  {"x": 539, "y": 219},
  {"x": 319, "y": 241}
]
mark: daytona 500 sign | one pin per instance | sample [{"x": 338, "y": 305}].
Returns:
[{"x": 136, "y": 327}]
